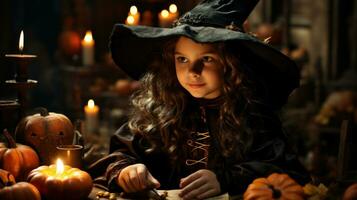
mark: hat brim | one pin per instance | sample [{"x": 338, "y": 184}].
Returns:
[{"x": 133, "y": 48}]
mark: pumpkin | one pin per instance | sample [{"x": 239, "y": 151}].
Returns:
[
  {"x": 74, "y": 184},
  {"x": 10, "y": 190},
  {"x": 275, "y": 186},
  {"x": 17, "y": 158},
  {"x": 69, "y": 42},
  {"x": 45, "y": 131},
  {"x": 351, "y": 192}
]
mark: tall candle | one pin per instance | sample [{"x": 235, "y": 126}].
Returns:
[
  {"x": 88, "y": 49},
  {"x": 91, "y": 117}
]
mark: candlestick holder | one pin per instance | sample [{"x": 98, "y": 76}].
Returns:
[
  {"x": 21, "y": 83},
  {"x": 21, "y": 61}
]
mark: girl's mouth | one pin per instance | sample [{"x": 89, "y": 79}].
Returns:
[{"x": 196, "y": 85}]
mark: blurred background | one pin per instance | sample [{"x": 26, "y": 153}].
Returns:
[{"x": 72, "y": 66}]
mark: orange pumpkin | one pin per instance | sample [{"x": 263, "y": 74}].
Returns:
[
  {"x": 10, "y": 190},
  {"x": 275, "y": 186},
  {"x": 17, "y": 158},
  {"x": 44, "y": 132},
  {"x": 351, "y": 192},
  {"x": 73, "y": 184}
]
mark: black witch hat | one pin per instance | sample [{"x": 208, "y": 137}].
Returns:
[{"x": 133, "y": 47}]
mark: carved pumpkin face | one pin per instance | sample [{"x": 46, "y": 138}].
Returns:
[{"x": 44, "y": 132}]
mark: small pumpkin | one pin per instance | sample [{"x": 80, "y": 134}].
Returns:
[
  {"x": 351, "y": 192},
  {"x": 73, "y": 184},
  {"x": 45, "y": 131},
  {"x": 10, "y": 190},
  {"x": 17, "y": 158},
  {"x": 276, "y": 186}
]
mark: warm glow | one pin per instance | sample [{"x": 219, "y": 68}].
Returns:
[
  {"x": 164, "y": 13},
  {"x": 91, "y": 103},
  {"x": 133, "y": 10},
  {"x": 21, "y": 41},
  {"x": 173, "y": 8},
  {"x": 59, "y": 166},
  {"x": 130, "y": 19},
  {"x": 88, "y": 37}
]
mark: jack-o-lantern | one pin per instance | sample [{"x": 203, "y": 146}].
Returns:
[{"x": 44, "y": 132}]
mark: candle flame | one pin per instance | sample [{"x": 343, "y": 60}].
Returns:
[
  {"x": 91, "y": 103},
  {"x": 88, "y": 37},
  {"x": 130, "y": 19},
  {"x": 133, "y": 10},
  {"x": 59, "y": 166},
  {"x": 173, "y": 8},
  {"x": 164, "y": 13},
  {"x": 21, "y": 41}
]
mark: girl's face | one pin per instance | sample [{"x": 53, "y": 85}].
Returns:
[{"x": 198, "y": 68}]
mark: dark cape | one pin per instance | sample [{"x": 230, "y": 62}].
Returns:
[{"x": 269, "y": 153}]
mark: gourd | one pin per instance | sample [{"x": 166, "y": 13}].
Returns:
[
  {"x": 275, "y": 186},
  {"x": 45, "y": 131},
  {"x": 10, "y": 190},
  {"x": 16, "y": 158}
]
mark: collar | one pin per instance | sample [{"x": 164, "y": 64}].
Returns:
[{"x": 210, "y": 103}]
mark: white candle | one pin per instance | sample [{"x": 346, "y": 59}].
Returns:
[
  {"x": 91, "y": 117},
  {"x": 88, "y": 49}
]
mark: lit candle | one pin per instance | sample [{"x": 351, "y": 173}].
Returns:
[
  {"x": 88, "y": 49},
  {"x": 173, "y": 12},
  {"x": 164, "y": 18},
  {"x": 61, "y": 181},
  {"x": 21, "y": 60},
  {"x": 91, "y": 116},
  {"x": 133, "y": 16}
]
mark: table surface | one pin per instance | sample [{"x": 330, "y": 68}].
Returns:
[{"x": 172, "y": 195}]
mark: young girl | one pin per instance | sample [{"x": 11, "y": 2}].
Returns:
[{"x": 205, "y": 118}]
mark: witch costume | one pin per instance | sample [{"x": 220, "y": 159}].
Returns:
[{"x": 210, "y": 21}]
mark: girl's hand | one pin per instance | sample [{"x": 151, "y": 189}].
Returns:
[
  {"x": 200, "y": 185},
  {"x": 135, "y": 178}
]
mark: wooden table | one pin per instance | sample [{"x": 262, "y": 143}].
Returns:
[{"x": 172, "y": 195}]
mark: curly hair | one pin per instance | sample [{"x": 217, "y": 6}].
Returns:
[{"x": 161, "y": 108}]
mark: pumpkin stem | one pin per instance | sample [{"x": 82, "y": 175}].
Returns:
[
  {"x": 10, "y": 140},
  {"x": 43, "y": 111},
  {"x": 276, "y": 193}
]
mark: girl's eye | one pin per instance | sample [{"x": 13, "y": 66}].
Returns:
[
  {"x": 207, "y": 59},
  {"x": 181, "y": 59}
]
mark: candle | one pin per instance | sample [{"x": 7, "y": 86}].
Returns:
[
  {"x": 88, "y": 49},
  {"x": 133, "y": 16},
  {"x": 61, "y": 181},
  {"x": 71, "y": 154},
  {"x": 91, "y": 117},
  {"x": 164, "y": 18},
  {"x": 173, "y": 12},
  {"x": 21, "y": 60}
]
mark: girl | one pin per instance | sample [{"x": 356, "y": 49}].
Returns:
[{"x": 205, "y": 118}]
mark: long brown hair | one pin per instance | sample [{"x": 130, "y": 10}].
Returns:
[{"x": 160, "y": 107}]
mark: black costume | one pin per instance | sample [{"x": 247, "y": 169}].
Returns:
[{"x": 269, "y": 153}]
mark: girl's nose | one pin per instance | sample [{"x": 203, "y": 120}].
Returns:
[{"x": 196, "y": 68}]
